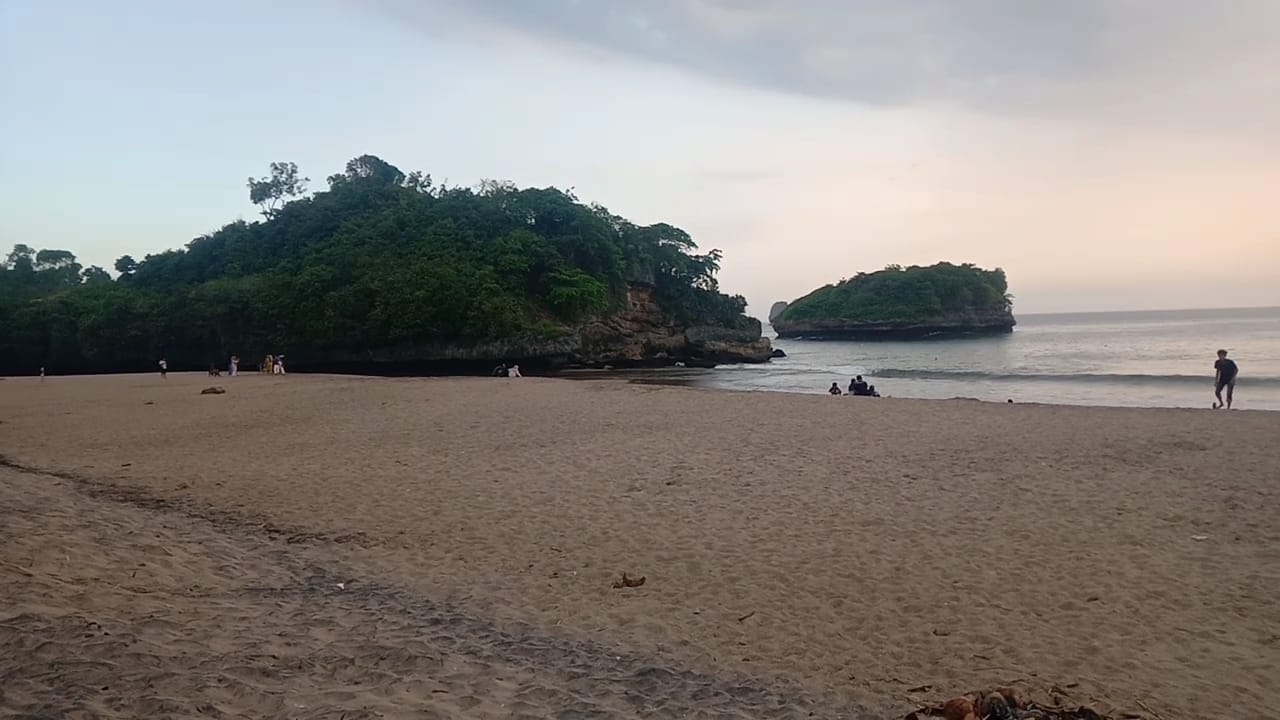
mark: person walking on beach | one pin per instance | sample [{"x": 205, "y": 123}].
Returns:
[
  {"x": 164, "y": 369},
  {"x": 1224, "y": 376},
  {"x": 234, "y": 366}
]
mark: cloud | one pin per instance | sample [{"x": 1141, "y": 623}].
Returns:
[{"x": 1171, "y": 58}]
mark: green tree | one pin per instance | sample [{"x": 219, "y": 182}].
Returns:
[
  {"x": 126, "y": 265},
  {"x": 283, "y": 182},
  {"x": 94, "y": 275}
]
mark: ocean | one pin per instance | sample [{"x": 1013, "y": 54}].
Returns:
[{"x": 1133, "y": 359}]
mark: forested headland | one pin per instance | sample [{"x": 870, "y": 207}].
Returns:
[{"x": 383, "y": 270}]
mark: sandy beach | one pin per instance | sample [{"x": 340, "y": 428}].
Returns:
[{"x": 328, "y": 547}]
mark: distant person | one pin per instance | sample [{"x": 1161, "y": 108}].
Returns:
[
  {"x": 278, "y": 369},
  {"x": 834, "y": 389},
  {"x": 268, "y": 365},
  {"x": 234, "y": 366},
  {"x": 859, "y": 387},
  {"x": 164, "y": 369},
  {"x": 41, "y": 373},
  {"x": 514, "y": 371},
  {"x": 1225, "y": 372}
]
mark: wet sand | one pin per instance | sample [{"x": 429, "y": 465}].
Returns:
[{"x": 170, "y": 554}]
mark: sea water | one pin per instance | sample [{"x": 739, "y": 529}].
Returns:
[{"x": 1136, "y": 359}]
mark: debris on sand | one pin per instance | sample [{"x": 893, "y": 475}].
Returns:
[
  {"x": 1004, "y": 703},
  {"x": 212, "y": 391},
  {"x": 628, "y": 582}
]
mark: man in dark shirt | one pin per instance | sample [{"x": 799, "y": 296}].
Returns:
[
  {"x": 859, "y": 387},
  {"x": 1225, "y": 372}
]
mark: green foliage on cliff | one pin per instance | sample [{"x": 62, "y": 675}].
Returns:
[
  {"x": 381, "y": 259},
  {"x": 904, "y": 294}
]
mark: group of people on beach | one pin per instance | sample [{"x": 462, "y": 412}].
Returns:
[
  {"x": 857, "y": 386},
  {"x": 505, "y": 370},
  {"x": 271, "y": 365}
]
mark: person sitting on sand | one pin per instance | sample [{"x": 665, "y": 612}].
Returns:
[
  {"x": 1224, "y": 376},
  {"x": 859, "y": 387},
  {"x": 267, "y": 364},
  {"x": 514, "y": 371},
  {"x": 835, "y": 389}
]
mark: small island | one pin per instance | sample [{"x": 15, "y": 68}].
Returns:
[{"x": 900, "y": 303}]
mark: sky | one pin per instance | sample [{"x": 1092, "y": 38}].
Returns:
[{"x": 1108, "y": 154}]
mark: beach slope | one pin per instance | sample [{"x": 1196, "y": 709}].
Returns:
[{"x": 310, "y": 546}]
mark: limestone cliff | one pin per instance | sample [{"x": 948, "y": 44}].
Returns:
[
  {"x": 776, "y": 310},
  {"x": 639, "y": 335}
]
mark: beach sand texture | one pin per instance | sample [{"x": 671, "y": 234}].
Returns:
[{"x": 167, "y": 554}]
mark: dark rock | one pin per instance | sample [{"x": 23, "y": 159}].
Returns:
[
  {"x": 728, "y": 345},
  {"x": 778, "y": 353}
]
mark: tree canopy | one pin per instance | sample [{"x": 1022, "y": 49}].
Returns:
[
  {"x": 905, "y": 294},
  {"x": 380, "y": 259}
]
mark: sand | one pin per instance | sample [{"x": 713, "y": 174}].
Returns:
[{"x": 327, "y": 547}]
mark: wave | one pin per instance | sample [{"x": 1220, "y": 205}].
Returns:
[{"x": 1106, "y": 378}]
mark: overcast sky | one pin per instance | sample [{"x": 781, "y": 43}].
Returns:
[{"x": 1116, "y": 154}]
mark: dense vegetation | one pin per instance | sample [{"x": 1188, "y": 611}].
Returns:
[
  {"x": 905, "y": 294},
  {"x": 381, "y": 259}
]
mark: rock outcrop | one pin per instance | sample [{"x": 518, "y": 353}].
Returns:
[
  {"x": 640, "y": 335},
  {"x": 970, "y": 322},
  {"x": 776, "y": 310}
]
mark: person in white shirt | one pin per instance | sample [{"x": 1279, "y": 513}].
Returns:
[
  {"x": 164, "y": 369},
  {"x": 514, "y": 371}
]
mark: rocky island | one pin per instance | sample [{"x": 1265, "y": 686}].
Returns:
[
  {"x": 902, "y": 303},
  {"x": 385, "y": 272}
]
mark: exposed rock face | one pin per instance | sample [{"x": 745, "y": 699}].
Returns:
[
  {"x": 971, "y": 322},
  {"x": 776, "y": 310},
  {"x": 728, "y": 345},
  {"x": 639, "y": 335}
]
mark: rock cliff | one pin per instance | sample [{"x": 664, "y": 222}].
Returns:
[
  {"x": 776, "y": 310},
  {"x": 639, "y": 335}
]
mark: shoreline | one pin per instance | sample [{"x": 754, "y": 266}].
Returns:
[{"x": 689, "y": 378}]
